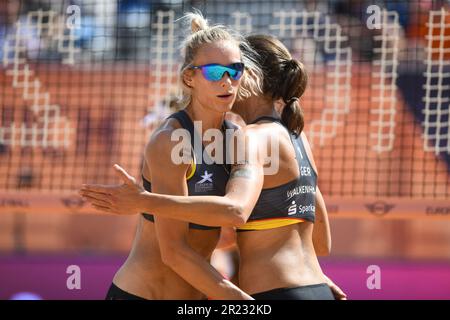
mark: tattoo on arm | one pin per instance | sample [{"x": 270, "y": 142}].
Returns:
[{"x": 242, "y": 172}]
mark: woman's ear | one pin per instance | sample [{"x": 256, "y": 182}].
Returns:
[{"x": 187, "y": 78}]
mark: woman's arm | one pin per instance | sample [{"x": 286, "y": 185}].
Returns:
[
  {"x": 233, "y": 209},
  {"x": 321, "y": 230},
  {"x": 172, "y": 235}
]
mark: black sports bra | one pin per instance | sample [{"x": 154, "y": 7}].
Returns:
[
  {"x": 290, "y": 203},
  {"x": 204, "y": 179}
]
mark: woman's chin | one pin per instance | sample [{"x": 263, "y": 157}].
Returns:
[{"x": 223, "y": 108}]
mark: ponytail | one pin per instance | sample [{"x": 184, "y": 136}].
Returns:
[
  {"x": 284, "y": 78},
  {"x": 292, "y": 116},
  {"x": 290, "y": 90}
]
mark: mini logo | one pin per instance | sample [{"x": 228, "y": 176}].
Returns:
[
  {"x": 438, "y": 210},
  {"x": 207, "y": 177},
  {"x": 19, "y": 203},
  {"x": 379, "y": 208},
  {"x": 292, "y": 209},
  {"x": 206, "y": 184}
]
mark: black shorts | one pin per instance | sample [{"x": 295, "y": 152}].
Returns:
[
  {"x": 115, "y": 293},
  {"x": 312, "y": 292}
]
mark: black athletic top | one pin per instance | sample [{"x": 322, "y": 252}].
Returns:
[
  {"x": 204, "y": 179},
  {"x": 290, "y": 203}
]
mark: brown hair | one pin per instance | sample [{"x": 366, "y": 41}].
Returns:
[{"x": 283, "y": 78}]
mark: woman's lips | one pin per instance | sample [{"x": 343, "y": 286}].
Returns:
[{"x": 225, "y": 96}]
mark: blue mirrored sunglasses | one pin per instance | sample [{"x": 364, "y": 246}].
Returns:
[{"x": 215, "y": 72}]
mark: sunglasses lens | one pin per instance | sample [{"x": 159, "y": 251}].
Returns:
[
  {"x": 235, "y": 75},
  {"x": 238, "y": 69},
  {"x": 213, "y": 73},
  {"x": 216, "y": 72}
]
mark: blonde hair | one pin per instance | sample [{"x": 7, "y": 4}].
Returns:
[{"x": 202, "y": 33}]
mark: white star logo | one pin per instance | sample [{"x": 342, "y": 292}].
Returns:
[{"x": 207, "y": 177}]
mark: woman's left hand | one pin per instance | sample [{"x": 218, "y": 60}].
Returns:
[
  {"x": 120, "y": 199},
  {"x": 337, "y": 292}
]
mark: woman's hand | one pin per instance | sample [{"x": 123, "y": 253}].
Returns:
[
  {"x": 337, "y": 292},
  {"x": 120, "y": 199}
]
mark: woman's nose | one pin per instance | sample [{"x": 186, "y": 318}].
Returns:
[{"x": 226, "y": 80}]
